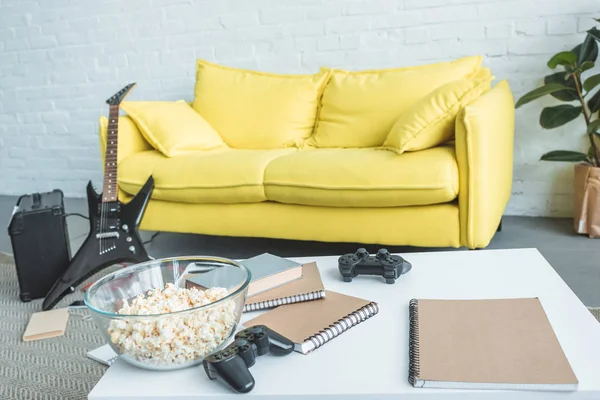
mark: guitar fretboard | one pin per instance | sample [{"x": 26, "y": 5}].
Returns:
[{"x": 110, "y": 189}]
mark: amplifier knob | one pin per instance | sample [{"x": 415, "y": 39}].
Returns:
[
  {"x": 128, "y": 239},
  {"x": 125, "y": 228},
  {"x": 132, "y": 249}
]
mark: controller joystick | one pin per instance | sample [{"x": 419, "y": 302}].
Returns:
[
  {"x": 382, "y": 254},
  {"x": 389, "y": 266},
  {"x": 231, "y": 365},
  {"x": 362, "y": 253},
  {"x": 246, "y": 350},
  {"x": 266, "y": 340}
]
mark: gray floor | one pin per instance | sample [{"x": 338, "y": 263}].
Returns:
[{"x": 576, "y": 258}]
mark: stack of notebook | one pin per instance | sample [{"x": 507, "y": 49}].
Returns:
[
  {"x": 301, "y": 309},
  {"x": 298, "y": 287}
]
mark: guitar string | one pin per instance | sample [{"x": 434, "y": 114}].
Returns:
[
  {"x": 101, "y": 231},
  {"x": 109, "y": 241},
  {"x": 103, "y": 206},
  {"x": 107, "y": 209},
  {"x": 102, "y": 202}
]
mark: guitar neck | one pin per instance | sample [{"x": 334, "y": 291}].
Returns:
[{"x": 110, "y": 189}]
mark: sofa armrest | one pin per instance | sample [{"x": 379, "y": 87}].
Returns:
[
  {"x": 484, "y": 152},
  {"x": 130, "y": 138}
]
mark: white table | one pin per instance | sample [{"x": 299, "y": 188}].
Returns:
[{"x": 370, "y": 361}]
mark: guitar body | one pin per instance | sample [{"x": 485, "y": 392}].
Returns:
[
  {"x": 113, "y": 236},
  {"x": 123, "y": 244}
]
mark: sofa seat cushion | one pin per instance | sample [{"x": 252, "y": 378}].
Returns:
[
  {"x": 363, "y": 177},
  {"x": 223, "y": 176}
]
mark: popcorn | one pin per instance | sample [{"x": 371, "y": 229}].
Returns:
[{"x": 173, "y": 339}]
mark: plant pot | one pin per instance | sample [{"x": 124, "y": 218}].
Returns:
[{"x": 586, "y": 218}]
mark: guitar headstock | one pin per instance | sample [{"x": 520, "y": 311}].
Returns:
[{"x": 118, "y": 97}]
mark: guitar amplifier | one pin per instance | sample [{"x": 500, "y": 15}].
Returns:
[{"x": 40, "y": 242}]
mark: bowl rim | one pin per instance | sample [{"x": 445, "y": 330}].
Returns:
[{"x": 127, "y": 269}]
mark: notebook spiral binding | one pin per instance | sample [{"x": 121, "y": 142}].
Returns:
[
  {"x": 342, "y": 325},
  {"x": 284, "y": 300},
  {"x": 111, "y": 360},
  {"x": 414, "y": 363}
]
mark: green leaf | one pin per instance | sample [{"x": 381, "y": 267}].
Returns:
[
  {"x": 586, "y": 65},
  {"x": 563, "y": 95},
  {"x": 539, "y": 92},
  {"x": 587, "y": 51},
  {"x": 553, "y": 117},
  {"x": 593, "y": 126},
  {"x": 594, "y": 102},
  {"x": 562, "y": 58},
  {"x": 564, "y": 155},
  {"x": 591, "y": 82},
  {"x": 594, "y": 32}
]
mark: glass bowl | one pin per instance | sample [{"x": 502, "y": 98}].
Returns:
[{"x": 197, "y": 306}]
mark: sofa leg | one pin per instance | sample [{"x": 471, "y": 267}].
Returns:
[{"x": 499, "y": 226}]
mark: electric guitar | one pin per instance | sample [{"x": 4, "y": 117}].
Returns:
[{"x": 113, "y": 236}]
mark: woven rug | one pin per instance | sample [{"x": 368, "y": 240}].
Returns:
[
  {"x": 47, "y": 369},
  {"x": 596, "y": 312}
]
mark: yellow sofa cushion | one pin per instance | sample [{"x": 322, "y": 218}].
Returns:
[
  {"x": 424, "y": 226},
  {"x": 430, "y": 121},
  {"x": 363, "y": 177},
  {"x": 224, "y": 176},
  {"x": 130, "y": 138},
  {"x": 256, "y": 110},
  {"x": 172, "y": 127},
  {"x": 359, "y": 108}
]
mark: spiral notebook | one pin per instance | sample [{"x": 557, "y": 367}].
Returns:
[
  {"x": 505, "y": 344},
  {"x": 312, "y": 324},
  {"x": 309, "y": 287}
]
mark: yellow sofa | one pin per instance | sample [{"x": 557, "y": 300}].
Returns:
[{"x": 312, "y": 157}]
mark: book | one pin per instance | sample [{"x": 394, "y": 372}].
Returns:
[
  {"x": 270, "y": 271},
  {"x": 309, "y": 287},
  {"x": 312, "y": 324},
  {"x": 103, "y": 354},
  {"x": 505, "y": 344},
  {"x": 267, "y": 272}
]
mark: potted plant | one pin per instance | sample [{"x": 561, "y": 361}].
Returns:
[{"x": 581, "y": 99}]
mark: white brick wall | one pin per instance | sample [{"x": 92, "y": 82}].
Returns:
[{"x": 60, "y": 59}]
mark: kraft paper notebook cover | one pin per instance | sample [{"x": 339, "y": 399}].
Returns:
[
  {"x": 312, "y": 324},
  {"x": 486, "y": 344},
  {"x": 309, "y": 287}
]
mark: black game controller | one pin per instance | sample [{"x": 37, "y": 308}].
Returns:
[
  {"x": 383, "y": 263},
  {"x": 231, "y": 365}
]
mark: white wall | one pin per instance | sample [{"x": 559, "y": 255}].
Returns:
[{"x": 60, "y": 60}]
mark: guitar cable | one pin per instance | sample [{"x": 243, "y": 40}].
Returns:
[
  {"x": 76, "y": 214},
  {"x": 155, "y": 234}
]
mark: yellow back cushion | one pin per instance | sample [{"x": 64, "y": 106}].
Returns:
[
  {"x": 256, "y": 110},
  {"x": 359, "y": 108},
  {"x": 172, "y": 127},
  {"x": 430, "y": 121}
]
